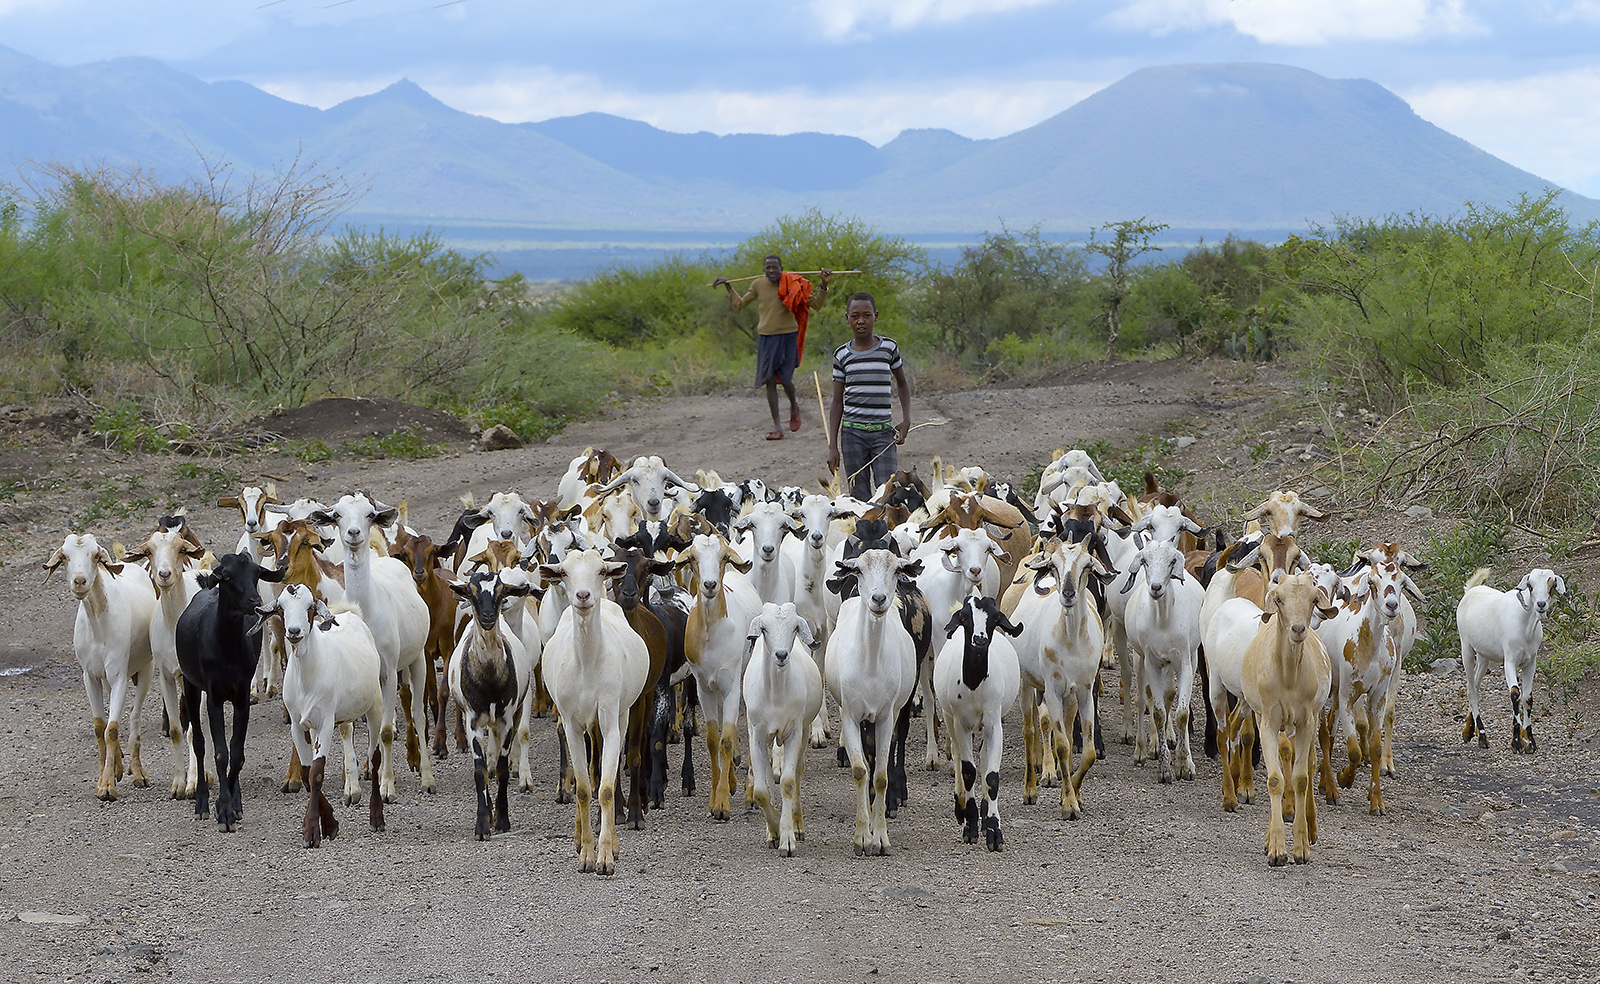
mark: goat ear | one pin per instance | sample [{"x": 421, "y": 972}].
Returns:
[
  {"x": 1133, "y": 573},
  {"x": 262, "y": 614},
  {"x": 516, "y": 590},
  {"x": 552, "y": 572},
  {"x": 1255, "y": 513},
  {"x": 1037, "y": 562},
  {"x": 228, "y": 502},
  {"x": 612, "y": 569},
  {"x": 1410, "y": 587},
  {"x": 1192, "y": 526},
  {"x": 193, "y": 550},
  {"x": 908, "y": 568},
  {"x": 462, "y": 588},
  {"x": 1524, "y": 595},
  {"x": 104, "y": 558},
  {"x": 1010, "y": 628},
  {"x": 1561, "y": 585},
  {"x": 742, "y": 566},
  {"x": 958, "y": 618},
  {"x": 995, "y": 550},
  {"x": 1266, "y": 617},
  {"x": 56, "y": 560},
  {"x": 322, "y": 517},
  {"x": 660, "y": 568},
  {"x": 141, "y": 552},
  {"x": 386, "y": 516}
]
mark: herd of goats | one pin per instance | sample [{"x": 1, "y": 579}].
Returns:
[{"x": 643, "y": 609}]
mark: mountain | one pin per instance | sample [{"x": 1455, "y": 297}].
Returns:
[{"x": 1241, "y": 146}]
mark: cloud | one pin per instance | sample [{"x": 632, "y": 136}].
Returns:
[
  {"x": 1548, "y": 124},
  {"x": 854, "y": 19},
  {"x": 972, "y": 107},
  {"x": 1301, "y": 23}
]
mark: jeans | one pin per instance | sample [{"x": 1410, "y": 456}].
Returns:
[{"x": 856, "y": 449}]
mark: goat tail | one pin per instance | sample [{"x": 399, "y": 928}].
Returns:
[
  {"x": 1479, "y": 576},
  {"x": 468, "y": 501},
  {"x": 1150, "y": 483}
]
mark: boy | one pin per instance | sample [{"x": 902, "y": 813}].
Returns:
[{"x": 861, "y": 431}]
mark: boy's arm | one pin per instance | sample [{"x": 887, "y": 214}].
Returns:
[
  {"x": 835, "y": 415},
  {"x": 904, "y": 386}
]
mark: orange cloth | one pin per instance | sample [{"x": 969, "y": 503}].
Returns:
[{"x": 795, "y": 293}]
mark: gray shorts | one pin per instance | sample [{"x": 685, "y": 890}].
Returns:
[{"x": 857, "y": 448}]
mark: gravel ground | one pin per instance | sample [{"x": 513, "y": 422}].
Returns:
[{"x": 1485, "y": 869}]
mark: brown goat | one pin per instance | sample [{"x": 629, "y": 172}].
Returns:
[{"x": 422, "y": 556}]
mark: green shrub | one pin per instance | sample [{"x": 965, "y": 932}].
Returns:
[{"x": 404, "y": 444}]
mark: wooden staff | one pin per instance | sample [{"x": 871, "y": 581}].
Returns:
[{"x": 803, "y": 273}]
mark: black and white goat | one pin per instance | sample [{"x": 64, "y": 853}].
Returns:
[{"x": 975, "y": 680}]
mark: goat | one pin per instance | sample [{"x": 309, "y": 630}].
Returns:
[
  {"x": 966, "y": 565},
  {"x": 507, "y": 516},
  {"x": 1286, "y": 676},
  {"x": 810, "y": 553},
  {"x": 1059, "y": 654},
  {"x": 331, "y": 680},
  {"x": 586, "y": 469},
  {"x": 1163, "y": 626},
  {"x": 394, "y": 611},
  {"x": 1508, "y": 625},
  {"x": 640, "y": 744},
  {"x": 595, "y": 666},
  {"x": 1403, "y": 632},
  {"x": 648, "y": 478},
  {"x": 772, "y": 573},
  {"x": 424, "y": 559},
  {"x": 782, "y": 696},
  {"x": 871, "y": 671},
  {"x": 1283, "y": 511},
  {"x": 1362, "y": 651},
  {"x": 670, "y": 605},
  {"x": 714, "y": 644},
  {"x": 218, "y": 651},
  {"x": 976, "y": 679},
  {"x": 111, "y": 638},
  {"x": 489, "y": 673},
  {"x": 1229, "y": 633},
  {"x": 252, "y": 503},
  {"x": 167, "y": 553}
]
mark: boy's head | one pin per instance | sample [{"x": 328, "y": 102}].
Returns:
[
  {"x": 862, "y": 313},
  {"x": 772, "y": 266}
]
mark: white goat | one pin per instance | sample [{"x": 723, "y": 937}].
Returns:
[
  {"x": 595, "y": 667},
  {"x": 252, "y": 502},
  {"x": 332, "y": 679},
  {"x": 1509, "y": 626},
  {"x": 1229, "y": 633},
  {"x": 976, "y": 679},
  {"x": 1163, "y": 625},
  {"x": 167, "y": 554},
  {"x": 1059, "y": 655},
  {"x": 111, "y": 638},
  {"x": 384, "y": 590},
  {"x": 782, "y": 696},
  {"x": 714, "y": 645},
  {"x": 871, "y": 671},
  {"x": 649, "y": 479},
  {"x": 812, "y": 553},
  {"x": 1362, "y": 653},
  {"x": 507, "y": 516},
  {"x": 771, "y": 572}
]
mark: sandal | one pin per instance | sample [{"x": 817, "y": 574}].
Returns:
[
  {"x": 794, "y": 420},
  {"x": 776, "y": 435}
]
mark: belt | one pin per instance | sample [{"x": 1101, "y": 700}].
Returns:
[{"x": 882, "y": 426}]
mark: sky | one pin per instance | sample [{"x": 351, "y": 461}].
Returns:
[{"x": 1518, "y": 78}]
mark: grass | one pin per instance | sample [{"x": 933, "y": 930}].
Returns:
[
  {"x": 1127, "y": 466},
  {"x": 1452, "y": 557},
  {"x": 115, "y": 499},
  {"x": 404, "y": 444},
  {"x": 214, "y": 481}
]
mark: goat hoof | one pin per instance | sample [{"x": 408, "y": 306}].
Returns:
[
  {"x": 1483, "y": 740},
  {"x": 1277, "y": 860},
  {"x": 290, "y": 787},
  {"x": 106, "y": 793},
  {"x": 352, "y": 798},
  {"x": 430, "y": 788},
  {"x": 482, "y": 834}
]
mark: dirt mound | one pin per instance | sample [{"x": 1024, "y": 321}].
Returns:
[{"x": 339, "y": 419}]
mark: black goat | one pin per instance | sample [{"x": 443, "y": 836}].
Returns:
[{"x": 219, "y": 646}]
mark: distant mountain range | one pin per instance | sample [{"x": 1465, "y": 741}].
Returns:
[{"x": 1217, "y": 147}]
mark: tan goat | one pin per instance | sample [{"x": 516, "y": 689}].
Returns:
[{"x": 1286, "y": 677}]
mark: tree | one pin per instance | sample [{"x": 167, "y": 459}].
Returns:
[{"x": 1128, "y": 240}]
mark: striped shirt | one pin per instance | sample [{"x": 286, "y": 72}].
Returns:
[{"x": 866, "y": 377}]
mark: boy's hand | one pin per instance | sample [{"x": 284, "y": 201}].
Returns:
[
  {"x": 833, "y": 458},
  {"x": 901, "y": 430},
  {"x": 827, "y": 275}
]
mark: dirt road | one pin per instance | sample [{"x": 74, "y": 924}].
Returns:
[{"x": 1485, "y": 869}]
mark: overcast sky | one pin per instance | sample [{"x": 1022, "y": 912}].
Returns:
[{"x": 1519, "y": 78}]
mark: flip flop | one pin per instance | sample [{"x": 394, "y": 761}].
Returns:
[
  {"x": 794, "y": 420},
  {"x": 776, "y": 435}
]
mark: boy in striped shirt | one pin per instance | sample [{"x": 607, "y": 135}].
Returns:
[{"x": 861, "y": 430}]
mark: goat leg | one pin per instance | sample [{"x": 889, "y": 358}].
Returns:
[
  {"x": 311, "y": 824},
  {"x": 375, "y": 801},
  {"x": 502, "y": 803},
  {"x": 480, "y": 781}
]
